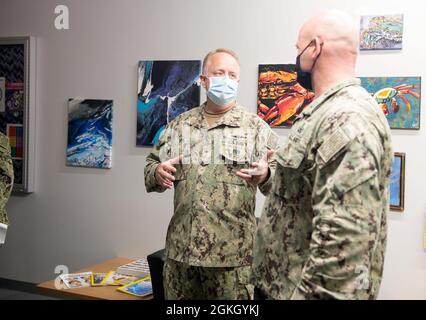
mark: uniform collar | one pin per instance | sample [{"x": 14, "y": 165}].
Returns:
[
  {"x": 326, "y": 95},
  {"x": 231, "y": 119}
]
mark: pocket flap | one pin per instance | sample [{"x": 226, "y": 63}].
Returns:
[{"x": 290, "y": 156}]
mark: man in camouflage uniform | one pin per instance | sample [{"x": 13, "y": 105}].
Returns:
[
  {"x": 206, "y": 154},
  {"x": 6, "y": 183},
  {"x": 322, "y": 232}
]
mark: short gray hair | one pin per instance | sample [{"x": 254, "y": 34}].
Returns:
[{"x": 219, "y": 50}]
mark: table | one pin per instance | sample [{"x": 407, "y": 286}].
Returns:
[{"x": 93, "y": 293}]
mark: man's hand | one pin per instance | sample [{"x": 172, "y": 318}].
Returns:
[
  {"x": 259, "y": 171},
  {"x": 164, "y": 173}
]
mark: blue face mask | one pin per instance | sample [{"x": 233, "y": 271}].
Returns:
[{"x": 222, "y": 90}]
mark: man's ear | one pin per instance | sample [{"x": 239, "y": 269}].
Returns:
[
  {"x": 204, "y": 82},
  {"x": 318, "y": 47}
]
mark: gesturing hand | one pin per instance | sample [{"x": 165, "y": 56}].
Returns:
[
  {"x": 164, "y": 173},
  {"x": 259, "y": 170}
]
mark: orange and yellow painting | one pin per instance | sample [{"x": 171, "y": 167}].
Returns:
[{"x": 280, "y": 97}]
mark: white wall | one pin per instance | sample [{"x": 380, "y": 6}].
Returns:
[{"x": 80, "y": 217}]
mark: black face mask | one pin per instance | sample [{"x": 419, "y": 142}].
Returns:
[{"x": 305, "y": 78}]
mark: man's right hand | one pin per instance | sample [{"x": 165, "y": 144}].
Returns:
[{"x": 164, "y": 173}]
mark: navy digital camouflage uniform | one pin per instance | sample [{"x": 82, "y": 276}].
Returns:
[
  {"x": 6, "y": 177},
  {"x": 210, "y": 237},
  {"x": 322, "y": 233}
]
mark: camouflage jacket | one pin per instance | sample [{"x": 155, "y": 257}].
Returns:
[
  {"x": 322, "y": 233},
  {"x": 6, "y": 176},
  {"x": 213, "y": 224}
]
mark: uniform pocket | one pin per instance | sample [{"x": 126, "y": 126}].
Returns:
[
  {"x": 227, "y": 173},
  {"x": 232, "y": 199},
  {"x": 245, "y": 287},
  {"x": 288, "y": 175}
]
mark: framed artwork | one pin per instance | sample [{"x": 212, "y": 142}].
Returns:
[
  {"x": 89, "y": 133},
  {"x": 165, "y": 90},
  {"x": 398, "y": 97},
  {"x": 397, "y": 185},
  {"x": 17, "y": 106},
  {"x": 280, "y": 98},
  {"x": 381, "y": 32}
]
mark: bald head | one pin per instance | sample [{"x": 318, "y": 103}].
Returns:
[
  {"x": 336, "y": 29},
  {"x": 329, "y": 42}
]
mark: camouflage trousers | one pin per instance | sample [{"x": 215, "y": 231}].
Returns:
[{"x": 186, "y": 282}]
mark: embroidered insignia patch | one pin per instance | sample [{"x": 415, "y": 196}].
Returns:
[{"x": 333, "y": 144}]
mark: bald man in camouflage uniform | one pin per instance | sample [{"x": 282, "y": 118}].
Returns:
[
  {"x": 322, "y": 233},
  {"x": 210, "y": 237},
  {"x": 6, "y": 183}
]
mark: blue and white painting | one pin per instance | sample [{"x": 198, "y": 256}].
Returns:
[
  {"x": 165, "y": 90},
  {"x": 397, "y": 182},
  {"x": 89, "y": 133}
]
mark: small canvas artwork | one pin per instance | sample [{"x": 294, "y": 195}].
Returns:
[
  {"x": 280, "y": 97},
  {"x": 398, "y": 97},
  {"x": 15, "y": 133},
  {"x": 165, "y": 90},
  {"x": 397, "y": 185},
  {"x": 89, "y": 133},
  {"x": 381, "y": 32}
]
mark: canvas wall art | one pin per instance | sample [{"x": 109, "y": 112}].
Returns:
[
  {"x": 17, "y": 106},
  {"x": 280, "y": 97},
  {"x": 89, "y": 133},
  {"x": 165, "y": 90},
  {"x": 398, "y": 97},
  {"x": 397, "y": 185},
  {"x": 381, "y": 32},
  {"x": 12, "y": 72}
]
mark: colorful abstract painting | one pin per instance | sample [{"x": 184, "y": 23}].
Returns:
[
  {"x": 399, "y": 98},
  {"x": 165, "y": 90},
  {"x": 280, "y": 97},
  {"x": 397, "y": 186},
  {"x": 381, "y": 32},
  {"x": 89, "y": 133},
  {"x": 15, "y": 133}
]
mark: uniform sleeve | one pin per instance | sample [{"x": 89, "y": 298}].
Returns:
[
  {"x": 347, "y": 210},
  {"x": 152, "y": 162},
  {"x": 272, "y": 144},
  {"x": 6, "y": 177}
]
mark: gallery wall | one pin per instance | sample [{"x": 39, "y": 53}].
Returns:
[{"x": 78, "y": 216}]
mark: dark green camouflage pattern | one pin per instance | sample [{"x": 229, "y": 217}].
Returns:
[
  {"x": 322, "y": 233},
  {"x": 185, "y": 282},
  {"x": 213, "y": 223}
]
